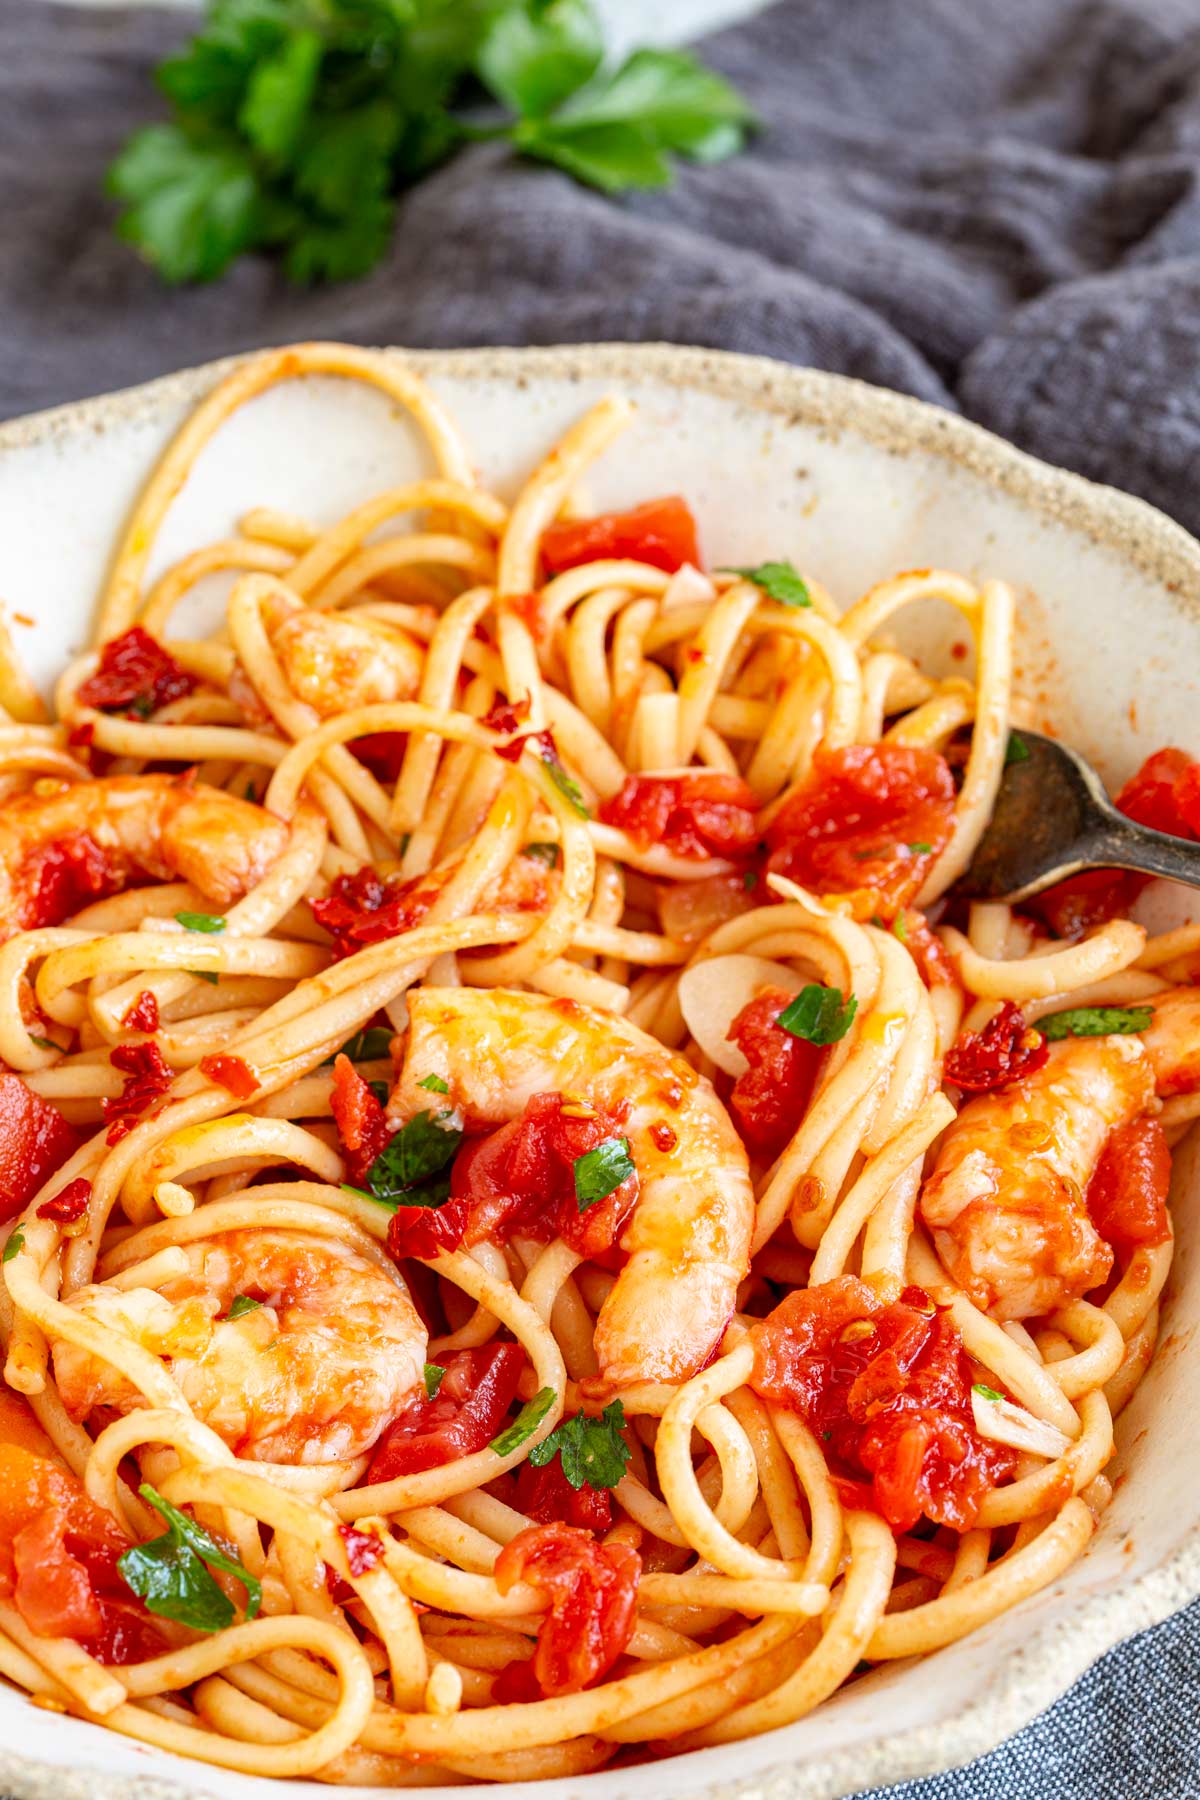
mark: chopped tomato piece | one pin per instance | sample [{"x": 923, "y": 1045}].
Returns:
[
  {"x": 142, "y": 1015},
  {"x": 465, "y": 1414},
  {"x": 523, "y": 1175},
  {"x": 887, "y": 1389},
  {"x": 545, "y": 1494},
  {"x": 365, "y": 908},
  {"x": 382, "y": 752},
  {"x": 35, "y": 1141},
  {"x": 135, "y": 674},
  {"x": 659, "y": 532},
  {"x": 592, "y": 1591},
  {"x": 59, "y": 1550},
  {"x": 704, "y": 813},
  {"x": 69, "y": 1204},
  {"x": 1005, "y": 1050},
  {"x": 231, "y": 1073},
  {"x": 147, "y": 1078},
  {"x": 1127, "y": 1195},
  {"x": 770, "y": 1098},
  {"x": 360, "y": 1119},
  {"x": 874, "y": 818},
  {"x": 1165, "y": 795},
  {"x": 60, "y": 879}
]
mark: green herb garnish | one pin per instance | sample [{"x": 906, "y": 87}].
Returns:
[
  {"x": 1095, "y": 1021},
  {"x": 920, "y": 849},
  {"x": 365, "y": 1046},
  {"x": 779, "y": 581},
  {"x": 591, "y": 1449},
  {"x": 545, "y": 853},
  {"x": 14, "y": 1243},
  {"x": 600, "y": 1172},
  {"x": 1016, "y": 750},
  {"x": 205, "y": 975},
  {"x": 211, "y": 922},
  {"x": 42, "y": 1043},
  {"x": 241, "y": 1304},
  {"x": 434, "y": 1084},
  {"x": 985, "y": 1393},
  {"x": 171, "y": 1576},
  {"x": 819, "y": 1014},
  {"x": 295, "y": 123},
  {"x": 566, "y": 785},
  {"x": 409, "y": 1169},
  {"x": 434, "y": 1376},
  {"x": 525, "y": 1423}
]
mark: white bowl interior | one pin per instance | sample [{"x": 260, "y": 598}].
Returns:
[{"x": 852, "y": 486}]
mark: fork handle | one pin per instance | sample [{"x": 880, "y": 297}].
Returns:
[{"x": 1122, "y": 844}]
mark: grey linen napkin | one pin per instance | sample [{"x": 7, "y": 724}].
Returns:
[{"x": 995, "y": 207}]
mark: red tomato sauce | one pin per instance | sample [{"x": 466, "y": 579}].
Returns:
[
  {"x": 873, "y": 819},
  {"x": 1127, "y": 1195},
  {"x": 465, "y": 1414},
  {"x": 592, "y": 1593},
  {"x": 135, "y": 675},
  {"x": 59, "y": 1550},
  {"x": 701, "y": 814},
  {"x": 35, "y": 1141},
  {"x": 1165, "y": 795},
  {"x": 887, "y": 1390},
  {"x": 1005, "y": 1050},
  {"x": 769, "y": 1099},
  {"x": 660, "y": 532}
]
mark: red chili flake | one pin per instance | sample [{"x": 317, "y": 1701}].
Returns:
[
  {"x": 70, "y": 1204},
  {"x": 231, "y": 1073},
  {"x": 363, "y": 1548},
  {"x": 507, "y": 716},
  {"x": 662, "y": 1137},
  {"x": 1005, "y": 1050},
  {"x": 81, "y": 737},
  {"x": 147, "y": 1078},
  {"x": 142, "y": 1015},
  {"x": 135, "y": 675}
]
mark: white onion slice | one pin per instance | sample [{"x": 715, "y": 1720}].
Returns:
[
  {"x": 713, "y": 993},
  {"x": 687, "y": 586},
  {"x": 1006, "y": 1423}
]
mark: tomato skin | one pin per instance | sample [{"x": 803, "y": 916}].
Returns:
[
  {"x": 854, "y": 826},
  {"x": 135, "y": 674},
  {"x": 360, "y": 1119},
  {"x": 231, "y": 1073},
  {"x": 770, "y": 1098},
  {"x": 35, "y": 1141},
  {"x": 700, "y": 814},
  {"x": 592, "y": 1590},
  {"x": 1165, "y": 795},
  {"x": 59, "y": 1550},
  {"x": 466, "y": 1413},
  {"x": 1127, "y": 1195},
  {"x": 660, "y": 532},
  {"x": 888, "y": 1390},
  {"x": 1005, "y": 1050},
  {"x": 545, "y": 1495}
]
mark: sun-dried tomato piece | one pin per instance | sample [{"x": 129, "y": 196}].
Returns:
[
  {"x": 360, "y": 1119},
  {"x": 60, "y": 879},
  {"x": 69, "y": 1204},
  {"x": 142, "y": 1013},
  {"x": 147, "y": 1078},
  {"x": 1127, "y": 1195},
  {"x": 135, "y": 675},
  {"x": 231, "y": 1073},
  {"x": 592, "y": 1594},
  {"x": 1005, "y": 1050}
]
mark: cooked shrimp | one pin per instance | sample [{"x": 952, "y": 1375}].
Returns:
[
  {"x": 335, "y": 664},
  {"x": 312, "y": 1374},
  {"x": 688, "y": 1236},
  {"x": 59, "y": 851},
  {"x": 1173, "y": 1041}
]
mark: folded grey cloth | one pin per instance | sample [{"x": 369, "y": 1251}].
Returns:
[{"x": 994, "y": 207}]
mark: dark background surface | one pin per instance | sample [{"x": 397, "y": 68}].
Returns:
[{"x": 995, "y": 207}]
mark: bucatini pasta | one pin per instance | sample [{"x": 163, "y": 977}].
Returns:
[{"x": 539, "y": 1225}]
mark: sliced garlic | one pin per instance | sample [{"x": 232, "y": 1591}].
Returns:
[
  {"x": 713, "y": 993},
  {"x": 687, "y": 586},
  {"x": 1006, "y": 1423}
]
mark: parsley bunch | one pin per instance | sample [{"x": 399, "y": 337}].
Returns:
[{"x": 295, "y": 122}]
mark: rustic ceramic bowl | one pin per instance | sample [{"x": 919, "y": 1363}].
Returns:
[{"x": 850, "y": 483}]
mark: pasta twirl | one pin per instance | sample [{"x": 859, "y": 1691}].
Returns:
[{"x": 539, "y": 1226}]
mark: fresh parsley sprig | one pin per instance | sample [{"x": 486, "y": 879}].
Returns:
[
  {"x": 779, "y": 581},
  {"x": 1095, "y": 1021},
  {"x": 295, "y": 122},
  {"x": 591, "y": 1450},
  {"x": 819, "y": 1014},
  {"x": 172, "y": 1573}
]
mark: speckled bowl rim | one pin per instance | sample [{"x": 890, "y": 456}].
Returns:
[{"x": 1028, "y": 1680}]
